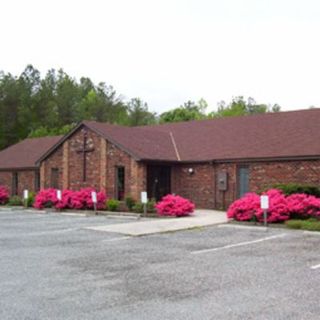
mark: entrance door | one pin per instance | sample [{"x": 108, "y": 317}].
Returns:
[
  {"x": 158, "y": 181},
  {"x": 243, "y": 185}
]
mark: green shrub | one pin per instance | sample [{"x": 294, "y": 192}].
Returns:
[
  {"x": 112, "y": 204},
  {"x": 138, "y": 208},
  {"x": 130, "y": 202},
  {"x": 291, "y": 188},
  {"x": 15, "y": 201},
  {"x": 151, "y": 206},
  {"x": 30, "y": 199}
]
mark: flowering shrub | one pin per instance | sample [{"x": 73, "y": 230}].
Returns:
[
  {"x": 281, "y": 208},
  {"x": 244, "y": 209},
  {"x": 65, "y": 202},
  {"x": 171, "y": 205},
  {"x": 248, "y": 207},
  {"x": 47, "y": 198},
  {"x": 82, "y": 199},
  {"x": 278, "y": 208},
  {"x": 303, "y": 206},
  {"x": 4, "y": 195}
]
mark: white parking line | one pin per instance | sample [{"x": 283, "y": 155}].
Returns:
[
  {"x": 116, "y": 239},
  {"x": 239, "y": 244},
  {"x": 315, "y": 267},
  {"x": 260, "y": 228},
  {"x": 48, "y": 232},
  {"x": 312, "y": 233}
]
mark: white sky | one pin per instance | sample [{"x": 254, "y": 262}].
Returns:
[{"x": 170, "y": 51}]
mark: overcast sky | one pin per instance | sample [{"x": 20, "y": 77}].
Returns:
[{"x": 170, "y": 51}]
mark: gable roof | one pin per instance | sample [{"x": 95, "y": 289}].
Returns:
[
  {"x": 291, "y": 134},
  {"x": 24, "y": 154},
  {"x": 282, "y": 135}
]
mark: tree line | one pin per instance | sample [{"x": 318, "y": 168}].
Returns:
[{"x": 32, "y": 106}]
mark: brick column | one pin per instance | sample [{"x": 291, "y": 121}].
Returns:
[
  {"x": 65, "y": 165},
  {"x": 138, "y": 179},
  {"x": 42, "y": 175},
  {"x": 103, "y": 164}
]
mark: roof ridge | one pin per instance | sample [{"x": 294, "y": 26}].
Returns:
[{"x": 175, "y": 146}]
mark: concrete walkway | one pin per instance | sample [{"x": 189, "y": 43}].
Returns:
[{"x": 201, "y": 218}]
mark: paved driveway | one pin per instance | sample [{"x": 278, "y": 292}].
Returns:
[{"x": 52, "y": 267}]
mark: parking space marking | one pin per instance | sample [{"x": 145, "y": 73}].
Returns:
[
  {"x": 48, "y": 232},
  {"x": 315, "y": 267},
  {"x": 312, "y": 233},
  {"x": 229, "y": 246},
  {"x": 116, "y": 239},
  {"x": 260, "y": 228}
]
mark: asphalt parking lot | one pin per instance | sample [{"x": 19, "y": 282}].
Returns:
[{"x": 52, "y": 267}]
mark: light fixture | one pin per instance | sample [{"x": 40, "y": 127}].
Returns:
[{"x": 191, "y": 171}]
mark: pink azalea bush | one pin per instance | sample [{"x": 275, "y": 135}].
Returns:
[
  {"x": 245, "y": 208},
  {"x": 278, "y": 208},
  {"x": 172, "y": 205},
  {"x": 45, "y": 198},
  {"x": 248, "y": 207},
  {"x": 69, "y": 199},
  {"x": 281, "y": 208},
  {"x": 303, "y": 206},
  {"x": 4, "y": 195},
  {"x": 65, "y": 202},
  {"x": 82, "y": 199}
]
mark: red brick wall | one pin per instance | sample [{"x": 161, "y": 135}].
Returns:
[
  {"x": 76, "y": 161},
  {"x": 6, "y": 180},
  {"x": 26, "y": 180},
  {"x": 135, "y": 173},
  {"x": 265, "y": 174},
  {"x": 198, "y": 187},
  {"x": 201, "y": 187},
  {"x": 101, "y": 166},
  {"x": 54, "y": 161},
  {"x": 224, "y": 198}
]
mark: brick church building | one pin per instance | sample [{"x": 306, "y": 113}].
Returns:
[{"x": 211, "y": 162}]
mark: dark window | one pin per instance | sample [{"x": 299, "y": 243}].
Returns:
[
  {"x": 55, "y": 178},
  {"x": 120, "y": 182},
  {"x": 37, "y": 181},
  {"x": 243, "y": 185},
  {"x": 15, "y": 183}
]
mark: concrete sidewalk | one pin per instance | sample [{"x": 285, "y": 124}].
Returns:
[{"x": 201, "y": 218}]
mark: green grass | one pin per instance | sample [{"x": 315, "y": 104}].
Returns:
[{"x": 310, "y": 224}]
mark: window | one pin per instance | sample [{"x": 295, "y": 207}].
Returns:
[
  {"x": 55, "y": 178},
  {"x": 37, "y": 181},
  {"x": 15, "y": 183},
  {"x": 243, "y": 180},
  {"x": 120, "y": 180}
]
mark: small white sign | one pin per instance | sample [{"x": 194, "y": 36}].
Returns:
[
  {"x": 264, "y": 202},
  {"x": 144, "y": 197},
  {"x": 94, "y": 197},
  {"x": 59, "y": 195},
  {"x": 25, "y": 194}
]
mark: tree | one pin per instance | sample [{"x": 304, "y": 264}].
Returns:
[
  {"x": 239, "y": 107},
  {"x": 188, "y": 111},
  {"x": 138, "y": 113}
]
